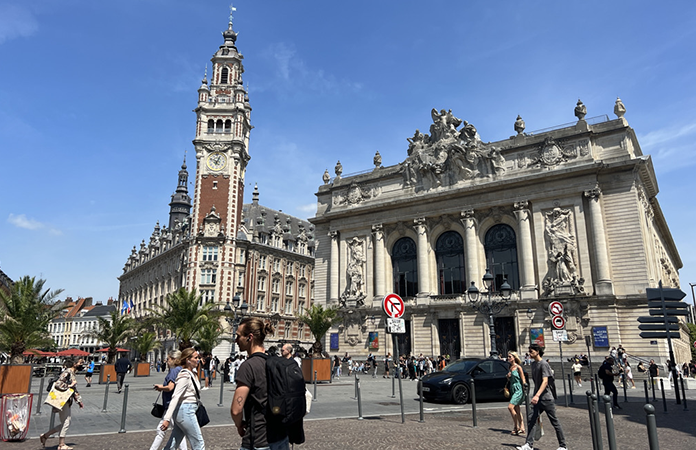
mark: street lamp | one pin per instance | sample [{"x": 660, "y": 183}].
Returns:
[
  {"x": 234, "y": 322},
  {"x": 490, "y": 305}
]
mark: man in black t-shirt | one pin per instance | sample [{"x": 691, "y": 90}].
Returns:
[
  {"x": 607, "y": 370},
  {"x": 251, "y": 396},
  {"x": 122, "y": 366},
  {"x": 653, "y": 369}
]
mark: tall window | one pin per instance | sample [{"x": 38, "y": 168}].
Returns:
[
  {"x": 274, "y": 304},
  {"x": 288, "y": 305},
  {"x": 405, "y": 264},
  {"x": 288, "y": 329},
  {"x": 208, "y": 276},
  {"x": 207, "y": 296},
  {"x": 262, "y": 283},
  {"x": 302, "y": 290},
  {"x": 210, "y": 253},
  {"x": 276, "y": 265},
  {"x": 290, "y": 266},
  {"x": 224, "y": 76},
  {"x": 262, "y": 262},
  {"x": 288, "y": 287},
  {"x": 449, "y": 251},
  {"x": 275, "y": 286},
  {"x": 261, "y": 302},
  {"x": 501, "y": 255},
  {"x": 300, "y": 307}
]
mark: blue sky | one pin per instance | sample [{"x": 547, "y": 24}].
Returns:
[{"x": 96, "y": 103}]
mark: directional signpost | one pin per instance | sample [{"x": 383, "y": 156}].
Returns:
[{"x": 663, "y": 323}]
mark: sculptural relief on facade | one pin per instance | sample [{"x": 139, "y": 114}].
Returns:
[
  {"x": 448, "y": 155},
  {"x": 355, "y": 194},
  {"x": 355, "y": 279},
  {"x": 353, "y": 327},
  {"x": 217, "y": 147},
  {"x": 561, "y": 249}
]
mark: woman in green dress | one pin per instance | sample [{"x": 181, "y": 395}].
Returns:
[{"x": 516, "y": 380}]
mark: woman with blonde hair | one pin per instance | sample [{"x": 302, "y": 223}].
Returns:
[
  {"x": 184, "y": 403},
  {"x": 66, "y": 380},
  {"x": 516, "y": 382},
  {"x": 167, "y": 389}
]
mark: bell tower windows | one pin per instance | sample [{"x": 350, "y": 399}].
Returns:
[{"x": 224, "y": 76}]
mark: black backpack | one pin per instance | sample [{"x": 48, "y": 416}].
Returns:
[
  {"x": 552, "y": 386},
  {"x": 286, "y": 390},
  {"x": 50, "y": 384}
]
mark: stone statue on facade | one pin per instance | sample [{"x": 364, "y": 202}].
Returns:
[
  {"x": 562, "y": 277},
  {"x": 354, "y": 272},
  {"x": 447, "y": 155}
]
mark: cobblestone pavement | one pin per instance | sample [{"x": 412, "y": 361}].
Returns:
[{"x": 441, "y": 430}]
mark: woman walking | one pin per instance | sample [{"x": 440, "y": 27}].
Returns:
[
  {"x": 516, "y": 381},
  {"x": 387, "y": 363},
  {"x": 628, "y": 375},
  {"x": 66, "y": 380},
  {"x": 167, "y": 389},
  {"x": 184, "y": 403},
  {"x": 577, "y": 372}
]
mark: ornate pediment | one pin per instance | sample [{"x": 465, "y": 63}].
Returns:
[
  {"x": 217, "y": 147},
  {"x": 356, "y": 194}
]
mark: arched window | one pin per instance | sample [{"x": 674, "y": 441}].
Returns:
[
  {"x": 211, "y": 126},
  {"x": 228, "y": 126},
  {"x": 405, "y": 264},
  {"x": 218, "y": 126},
  {"x": 449, "y": 251},
  {"x": 501, "y": 255},
  {"x": 224, "y": 75}
]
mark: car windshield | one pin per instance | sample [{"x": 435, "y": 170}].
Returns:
[{"x": 461, "y": 366}]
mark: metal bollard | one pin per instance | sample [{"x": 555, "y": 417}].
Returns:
[
  {"x": 393, "y": 385},
  {"x": 593, "y": 426},
  {"x": 41, "y": 389},
  {"x": 315, "y": 387},
  {"x": 609, "y": 417},
  {"x": 598, "y": 426},
  {"x": 360, "y": 416},
  {"x": 355, "y": 374},
  {"x": 222, "y": 385},
  {"x": 570, "y": 390},
  {"x": 420, "y": 391},
  {"x": 596, "y": 382},
  {"x": 652, "y": 427},
  {"x": 652, "y": 383},
  {"x": 683, "y": 391},
  {"x": 645, "y": 385},
  {"x": 472, "y": 388},
  {"x": 123, "y": 411},
  {"x": 106, "y": 392},
  {"x": 526, "y": 400},
  {"x": 664, "y": 399}
]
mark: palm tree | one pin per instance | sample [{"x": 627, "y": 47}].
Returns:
[
  {"x": 113, "y": 332},
  {"x": 24, "y": 316},
  {"x": 144, "y": 342},
  {"x": 210, "y": 336},
  {"x": 183, "y": 316},
  {"x": 319, "y": 321}
]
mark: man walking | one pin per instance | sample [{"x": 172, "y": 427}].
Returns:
[
  {"x": 251, "y": 395},
  {"x": 543, "y": 400},
  {"x": 286, "y": 351},
  {"x": 123, "y": 365},
  {"x": 607, "y": 372}
]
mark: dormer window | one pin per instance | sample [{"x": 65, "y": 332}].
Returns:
[{"x": 224, "y": 76}]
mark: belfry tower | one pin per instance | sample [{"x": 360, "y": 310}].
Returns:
[{"x": 222, "y": 141}]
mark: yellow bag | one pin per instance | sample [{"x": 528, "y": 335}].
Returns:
[{"x": 57, "y": 398}]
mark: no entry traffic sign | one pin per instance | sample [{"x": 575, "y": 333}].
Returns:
[
  {"x": 558, "y": 322},
  {"x": 393, "y": 305}
]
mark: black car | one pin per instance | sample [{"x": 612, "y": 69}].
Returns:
[{"x": 452, "y": 383}]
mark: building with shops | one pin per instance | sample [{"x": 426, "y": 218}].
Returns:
[
  {"x": 566, "y": 214},
  {"x": 76, "y": 321},
  {"x": 209, "y": 245}
]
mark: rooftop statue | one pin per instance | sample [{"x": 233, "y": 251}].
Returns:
[{"x": 448, "y": 155}]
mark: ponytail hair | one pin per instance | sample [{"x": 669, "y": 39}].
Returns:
[
  {"x": 184, "y": 356},
  {"x": 258, "y": 328}
]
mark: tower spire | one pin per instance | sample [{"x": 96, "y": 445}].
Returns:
[{"x": 180, "y": 206}]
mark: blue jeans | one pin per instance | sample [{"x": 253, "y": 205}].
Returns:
[
  {"x": 186, "y": 424},
  {"x": 280, "y": 445}
]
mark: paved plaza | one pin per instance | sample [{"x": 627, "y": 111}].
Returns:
[{"x": 334, "y": 421}]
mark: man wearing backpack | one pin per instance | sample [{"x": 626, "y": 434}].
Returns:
[
  {"x": 543, "y": 400},
  {"x": 250, "y": 400},
  {"x": 606, "y": 373}
]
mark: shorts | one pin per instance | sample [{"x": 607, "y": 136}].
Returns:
[{"x": 577, "y": 374}]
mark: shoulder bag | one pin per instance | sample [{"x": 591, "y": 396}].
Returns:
[
  {"x": 201, "y": 413},
  {"x": 157, "y": 408}
]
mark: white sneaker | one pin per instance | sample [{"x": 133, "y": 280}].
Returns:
[
  {"x": 525, "y": 447},
  {"x": 561, "y": 448}
]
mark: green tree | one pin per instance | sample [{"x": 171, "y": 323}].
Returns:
[
  {"x": 319, "y": 321},
  {"x": 183, "y": 316},
  {"x": 113, "y": 332},
  {"x": 210, "y": 336},
  {"x": 144, "y": 342},
  {"x": 24, "y": 316}
]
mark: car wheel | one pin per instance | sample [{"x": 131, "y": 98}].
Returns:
[{"x": 460, "y": 394}]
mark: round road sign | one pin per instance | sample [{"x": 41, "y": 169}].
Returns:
[
  {"x": 555, "y": 308},
  {"x": 558, "y": 322},
  {"x": 393, "y": 305}
]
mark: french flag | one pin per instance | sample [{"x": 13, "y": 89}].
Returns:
[
  {"x": 131, "y": 306},
  {"x": 124, "y": 307}
]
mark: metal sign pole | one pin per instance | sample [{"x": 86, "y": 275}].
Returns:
[{"x": 565, "y": 392}]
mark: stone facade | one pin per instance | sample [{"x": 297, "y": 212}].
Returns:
[{"x": 569, "y": 213}]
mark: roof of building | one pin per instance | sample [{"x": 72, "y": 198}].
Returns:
[{"x": 100, "y": 310}]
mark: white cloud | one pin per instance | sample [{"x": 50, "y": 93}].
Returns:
[
  {"x": 22, "y": 221},
  {"x": 308, "y": 208},
  {"x": 671, "y": 148},
  {"x": 16, "y": 21}
]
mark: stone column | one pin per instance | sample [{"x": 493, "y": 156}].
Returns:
[
  {"x": 603, "y": 285},
  {"x": 333, "y": 277},
  {"x": 423, "y": 272},
  {"x": 526, "y": 249},
  {"x": 378, "y": 233},
  {"x": 471, "y": 247}
]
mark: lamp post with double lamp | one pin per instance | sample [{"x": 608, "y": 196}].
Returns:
[
  {"x": 238, "y": 308},
  {"x": 490, "y": 304}
]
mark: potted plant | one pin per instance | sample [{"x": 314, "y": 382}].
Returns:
[{"x": 319, "y": 320}]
